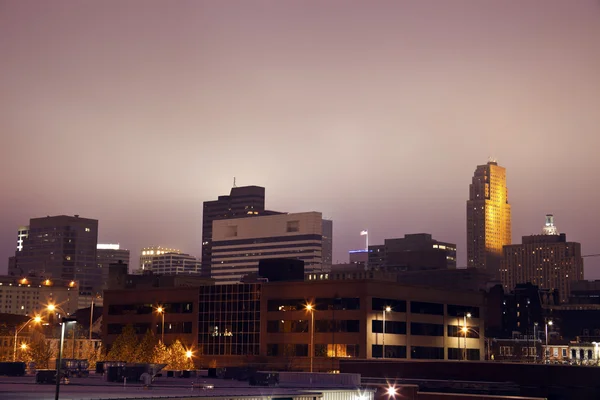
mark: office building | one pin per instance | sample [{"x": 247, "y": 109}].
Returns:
[
  {"x": 61, "y": 247},
  {"x": 30, "y": 295},
  {"x": 488, "y": 218},
  {"x": 242, "y": 202},
  {"x": 545, "y": 260},
  {"x": 327, "y": 244},
  {"x": 107, "y": 254},
  {"x": 413, "y": 252},
  {"x": 175, "y": 263},
  {"x": 239, "y": 244},
  {"x": 147, "y": 255},
  {"x": 359, "y": 257}
]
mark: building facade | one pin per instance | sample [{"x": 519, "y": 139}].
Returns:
[
  {"x": 147, "y": 255},
  {"x": 61, "y": 247},
  {"x": 239, "y": 244},
  {"x": 242, "y": 202},
  {"x": 107, "y": 254},
  {"x": 416, "y": 252},
  {"x": 546, "y": 260},
  {"x": 175, "y": 263},
  {"x": 488, "y": 218},
  {"x": 31, "y": 295}
]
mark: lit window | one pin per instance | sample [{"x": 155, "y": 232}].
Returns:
[{"x": 87, "y": 229}]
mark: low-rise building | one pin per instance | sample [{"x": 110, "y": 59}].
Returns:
[{"x": 31, "y": 295}]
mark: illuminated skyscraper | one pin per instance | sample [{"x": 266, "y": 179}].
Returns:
[{"x": 488, "y": 218}]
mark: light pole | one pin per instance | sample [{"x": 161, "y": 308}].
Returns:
[
  {"x": 161, "y": 311},
  {"x": 53, "y": 308},
  {"x": 37, "y": 319},
  {"x": 535, "y": 340},
  {"x": 546, "y": 349},
  {"x": 310, "y": 309},
  {"x": 386, "y": 309},
  {"x": 596, "y": 344},
  {"x": 465, "y": 329},
  {"x": 64, "y": 322}
]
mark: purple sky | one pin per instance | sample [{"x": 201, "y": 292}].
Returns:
[{"x": 374, "y": 112}]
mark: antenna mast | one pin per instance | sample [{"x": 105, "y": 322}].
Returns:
[{"x": 234, "y": 182}]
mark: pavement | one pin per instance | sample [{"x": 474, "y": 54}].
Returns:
[{"x": 95, "y": 388}]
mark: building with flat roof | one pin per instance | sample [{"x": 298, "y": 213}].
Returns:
[
  {"x": 61, "y": 247},
  {"x": 239, "y": 244},
  {"x": 31, "y": 295},
  {"x": 175, "y": 263},
  {"x": 545, "y": 260},
  {"x": 147, "y": 254},
  {"x": 488, "y": 218},
  {"x": 107, "y": 254}
]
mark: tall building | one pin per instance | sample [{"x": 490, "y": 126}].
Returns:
[
  {"x": 545, "y": 260},
  {"x": 147, "y": 255},
  {"x": 488, "y": 218},
  {"x": 61, "y": 247},
  {"x": 175, "y": 263},
  {"x": 242, "y": 202},
  {"x": 239, "y": 244},
  {"x": 413, "y": 252},
  {"x": 107, "y": 254}
]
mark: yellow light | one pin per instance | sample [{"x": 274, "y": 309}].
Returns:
[
  {"x": 23, "y": 346},
  {"x": 464, "y": 329},
  {"x": 549, "y": 322},
  {"x": 72, "y": 283},
  {"x": 47, "y": 282},
  {"x": 24, "y": 281},
  {"x": 309, "y": 307},
  {"x": 388, "y": 309},
  {"x": 51, "y": 307},
  {"x": 468, "y": 315},
  {"x": 189, "y": 354},
  {"x": 391, "y": 391},
  {"x": 160, "y": 310},
  {"x": 37, "y": 319}
]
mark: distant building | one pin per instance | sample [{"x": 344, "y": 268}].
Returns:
[
  {"x": 488, "y": 218},
  {"x": 147, "y": 255},
  {"x": 175, "y": 263},
  {"x": 359, "y": 257},
  {"x": 585, "y": 292},
  {"x": 30, "y": 295},
  {"x": 107, "y": 254},
  {"x": 546, "y": 260},
  {"x": 413, "y": 252},
  {"x": 239, "y": 244},
  {"x": 242, "y": 202},
  {"x": 61, "y": 247}
]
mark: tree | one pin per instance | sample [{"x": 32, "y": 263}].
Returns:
[
  {"x": 178, "y": 359},
  {"x": 125, "y": 346},
  {"x": 160, "y": 354},
  {"x": 146, "y": 348},
  {"x": 93, "y": 354},
  {"x": 40, "y": 350}
]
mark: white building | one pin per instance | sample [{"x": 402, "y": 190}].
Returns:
[
  {"x": 30, "y": 296},
  {"x": 148, "y": 254},
  {"x": 175, "y": 263},
  {"x": 239, "y": 244}
]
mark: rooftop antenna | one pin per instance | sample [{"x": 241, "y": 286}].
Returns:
[{"x": 234, "y": 185}]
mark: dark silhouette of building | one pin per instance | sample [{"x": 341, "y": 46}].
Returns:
[
  {"x": 413, "y": 252},
  {"x": 281, "y": 269},
  {"x": 242, "y": 202},
  {"x": 62, "y": 247}
]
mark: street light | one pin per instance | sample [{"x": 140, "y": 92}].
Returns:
[
  {"x": 65, "y": 321},
  {"x": 465, "y": 330},
  {"x": 546, "y": 351},
  {"x": 189, "y": 354},
  {"x": 596, "y": 344},
  {"x": 23, "y": 346},
  {"x": 391, "y": 391},
  {"x": 54, "y": 308},
  {"x": 37, "y": 319},
  {"x": 160, "y": 310},
  {"x": 310, "y": 309},
  {"x": 386, "y": 309}
]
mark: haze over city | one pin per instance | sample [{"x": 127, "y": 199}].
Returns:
[{"x": 374, "y": 113}]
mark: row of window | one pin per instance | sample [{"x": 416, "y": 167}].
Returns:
[
  {"x": 144, "y": 309},
  {"x": 142, "y": 328}
]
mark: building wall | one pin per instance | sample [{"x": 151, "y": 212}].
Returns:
[
  {"x": 138, "y": 307},
  {"x": 30, "y": 296},
  {"x": 548, "y": 261},
  {"x": 239, "y": 244},
  {"x": 171, "y": 263},
  {"x": 147, "y": 254},
  {"x": 106, "y": 257},
  {"x": 488, "y": 217}
]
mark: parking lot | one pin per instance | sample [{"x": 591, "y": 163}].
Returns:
[{"x": 94, "y": 387}]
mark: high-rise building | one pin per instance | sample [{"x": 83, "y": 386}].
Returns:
[
  {"x": 147, "y": 255},
  {"x": 242, "y": 202},
  {"x": 175, "y": 263},
  {"x": 239, "y": 244},
  {"x": 546, "y": 260},
  {"x": 61, "y": 247},
  {"x": 413, "y": 252},
  {"x": 488, "y": 218},
  {"x": 107, "y": 254}
]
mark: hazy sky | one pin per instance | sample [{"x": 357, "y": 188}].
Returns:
[{"x": 374, "y": 112}]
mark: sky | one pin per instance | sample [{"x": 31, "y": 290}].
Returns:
[{"x": 375, "y": 113}]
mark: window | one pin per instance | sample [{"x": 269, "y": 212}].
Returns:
[
  {"x": 456, "y": 331},
  {"x": 506, "y": 351},
  {"x": 393, "y": 327},
  {"x": 418, "y": 307},
  {"x": 426, "y": 353},
  {"x": 293, "y": 226},
  {"x": 380, "y": 304},
  {"x": 337, "y": 350},
  {"x": 555, "y": 352},
  {"x": 326, "y": 325},
  {"x": 288, "y": 350},
  {"x": 564, "y": 353},
  {"x": 390, "y": 351},
  {"x": 423, "y": 329}
]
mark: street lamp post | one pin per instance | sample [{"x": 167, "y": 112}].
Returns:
[
  {"x": 386, "y": 309},
  {"x": 64, "y": 322},
  {"x": 310, "y": 309},
  {"x": 596, "y": 344},
  {"x": 161, "y": 311},
  {"x": 465, "y": 329},
  {"x": 37, "y": 320},
  {"x": 53, "y": 308},
  {"x": 546, "y": 349}
]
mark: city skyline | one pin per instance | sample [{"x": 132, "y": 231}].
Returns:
[{"x": 375, "y": 116}]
